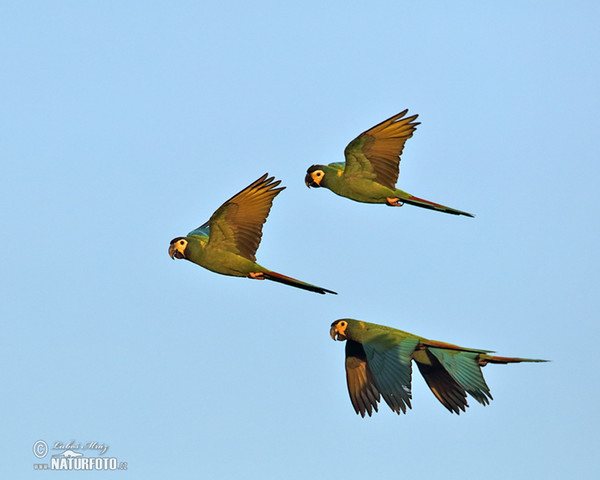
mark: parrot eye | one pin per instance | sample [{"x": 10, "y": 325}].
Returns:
[
  {"x": 319, "y": 173},
  {"x": 181, "y": 242},
  {"x": 342, "y": 324}
]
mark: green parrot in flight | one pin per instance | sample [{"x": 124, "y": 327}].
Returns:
[
  {"x": 378, "y": 362},
  {"x": 370, "y": 172},
  {"x": 227, "y": 243}
]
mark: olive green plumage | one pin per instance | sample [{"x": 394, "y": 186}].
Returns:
[
  {"x": 378, "y": 363},
  {"x": 227, "y": 243},
  {"x": 370, "y": 172}
]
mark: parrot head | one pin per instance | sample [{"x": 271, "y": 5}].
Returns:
[
  {"x": 177, "y": 248},
  {"x": 338, "y": 330},
  {"x": 314, "y": 176}
]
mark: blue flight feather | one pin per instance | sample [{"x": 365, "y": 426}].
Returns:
[
  {"x": 201, "y": 231},
  {"x": 340, "y": 165}
]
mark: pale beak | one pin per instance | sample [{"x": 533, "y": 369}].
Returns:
[{"x": 332, "y": 333}]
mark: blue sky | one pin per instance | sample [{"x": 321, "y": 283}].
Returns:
[{"x": 125, "y": 125}]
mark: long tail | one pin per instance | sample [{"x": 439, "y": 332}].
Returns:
[
  {"x": 485, "y": 359},
  {"x": 450, "y": 346},
  {"x": 278, "y": 277},
  {"x": 420, "y": 202}
]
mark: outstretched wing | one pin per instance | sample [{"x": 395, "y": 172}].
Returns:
[
  {"x": 390, "y": 366},
  {"x": 447, "y": 390},
  {"x": 361, "y": 385},
  {"x": 375, "y": 154},
  {"x": 464, "y": 368},
  {"x": 237, "y": 224}
]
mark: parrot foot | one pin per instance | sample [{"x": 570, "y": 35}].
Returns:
[
  {"x": 393, "y": 202},
  {"x": 257, "y": 275}
]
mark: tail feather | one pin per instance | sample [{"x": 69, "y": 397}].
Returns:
[
  {"x": 278, "y": 277},
  {"x": 420, "y": 202},
  {"x": 450, "y": 346},
  {"x": 485, "y": 359}
]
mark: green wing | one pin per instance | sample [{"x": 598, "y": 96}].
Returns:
[
  {"x": 444, "y": 387},
  {"x": 237, "y": 224},
  {"x": 375, "y": 154},
  {"x": 361, "y": 385},
  {"x": 464, "y": 368},
  {"x": 389, "y": 361}
]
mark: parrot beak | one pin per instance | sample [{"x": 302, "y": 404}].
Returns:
[
  {"x": 172, "y": 251},
  {"x": 308, "y": 180},
  {"x": 335, "y": 334},
  {"x": 332, "y": 333}
]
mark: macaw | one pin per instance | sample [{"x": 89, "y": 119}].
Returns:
[
  {"x": 378, "y": 362},
  {"x": 227, "y": 243},
  {"x": 370, "y": 172}
]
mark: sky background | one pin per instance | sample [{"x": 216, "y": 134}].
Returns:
[{"x": 125, "y": 124}]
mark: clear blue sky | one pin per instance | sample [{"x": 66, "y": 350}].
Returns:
[{"x": 125, "y": 124}]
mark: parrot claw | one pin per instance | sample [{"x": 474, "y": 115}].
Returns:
[
  {"x": 393, "y": 202},
  {"x": 257, "y": 275}
]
